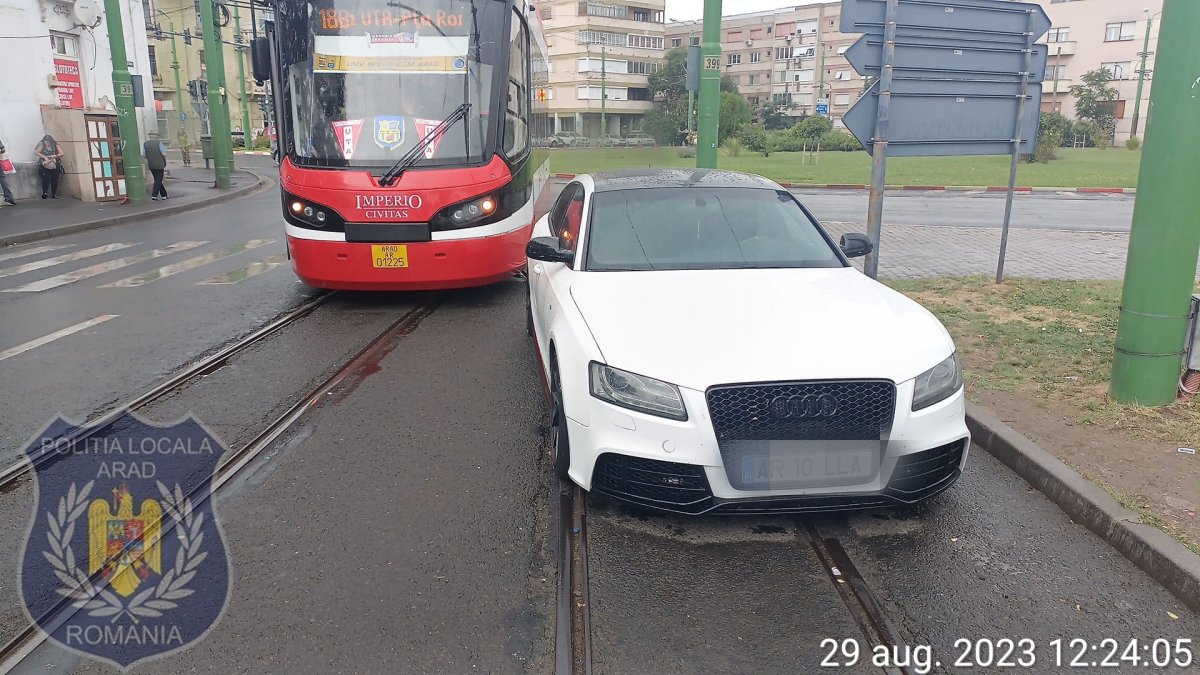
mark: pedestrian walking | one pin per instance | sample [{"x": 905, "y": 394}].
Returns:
[
  {"x": 156, "y": 160},
  {"x": 8, "y": 195},
  {"x": 50, "y": 156}
]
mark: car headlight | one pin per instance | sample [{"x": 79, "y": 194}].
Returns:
[
  {"x": 938, "y": 383},
  {"x": 636, "y": 392}
]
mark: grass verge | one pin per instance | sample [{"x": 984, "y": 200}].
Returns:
[{"x": 1083, "y": 167}]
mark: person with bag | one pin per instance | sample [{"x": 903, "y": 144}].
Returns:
[
  {"x": 6, "y": 167},
  {"x": 50, "y": 157},
  {"x": 156, "y": 160}
]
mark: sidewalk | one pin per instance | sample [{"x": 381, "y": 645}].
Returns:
[{"x": 190, "y": 188}]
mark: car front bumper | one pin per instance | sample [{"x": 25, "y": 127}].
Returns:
[{"x": 677, "y": 466}]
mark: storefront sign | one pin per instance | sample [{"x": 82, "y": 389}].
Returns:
[{"x": 70, "y": 90}]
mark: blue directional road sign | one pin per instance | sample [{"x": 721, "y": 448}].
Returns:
[{"x": 823, "y": 108}]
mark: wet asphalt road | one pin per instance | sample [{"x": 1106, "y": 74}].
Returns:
[{"x": 403, "y": 526}]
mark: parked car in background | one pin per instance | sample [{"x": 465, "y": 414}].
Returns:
[
  {"x": 569, "y": 139},
  {"x": 637, "y": 139}
]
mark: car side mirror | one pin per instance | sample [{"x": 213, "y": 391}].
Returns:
[
  {"x": 856, "y": 245},
  {"x": 260, "y": 58},
  {"x": 547, "y": 249}
]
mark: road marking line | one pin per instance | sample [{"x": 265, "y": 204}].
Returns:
[
  {"x": 190, "y": 263},
  {"x": 34, "y": 344},
  {"x": 21, "y": 253},
  {"x": 242, "y": 273},
  {"x": 69, "y": 257},
  {"x": 72, "y": 277}
]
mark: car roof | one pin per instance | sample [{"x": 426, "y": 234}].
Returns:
[{"x": 657, "y": 178}]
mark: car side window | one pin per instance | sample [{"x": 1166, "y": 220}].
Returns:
[
  {"x": 558, "y": 213},
  {"x": 569, "y": 237}
]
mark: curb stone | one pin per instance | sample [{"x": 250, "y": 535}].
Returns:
[
  {"x": 1153, "y": 551},
  {"x": 936, "y": 188},
  {"x": 26, "y": 237}
]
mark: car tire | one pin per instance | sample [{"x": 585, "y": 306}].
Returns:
[{"x": 560, "y": 441}]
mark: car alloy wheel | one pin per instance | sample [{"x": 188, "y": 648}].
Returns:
[{"x": 560, "y": 442}]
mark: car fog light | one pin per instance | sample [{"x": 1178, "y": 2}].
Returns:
[
  {"x": 320, "y": 216},
  {"x": 308, "y": 212}
]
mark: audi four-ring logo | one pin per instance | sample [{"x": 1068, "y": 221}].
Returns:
[{"x": 808, "y": 405}]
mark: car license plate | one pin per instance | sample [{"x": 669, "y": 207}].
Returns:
[
  {"x": 389, "y": 255},
  {"x": 840, "y": 467}
]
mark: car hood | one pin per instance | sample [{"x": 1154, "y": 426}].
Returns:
[{"x": 705, "y": 327}]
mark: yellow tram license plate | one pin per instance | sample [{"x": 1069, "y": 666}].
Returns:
[{"x": 389, "y": 255}]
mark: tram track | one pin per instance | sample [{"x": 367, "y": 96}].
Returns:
[
  {"x": 12, "y": 475},
  {"x": 329, "y": 391}
]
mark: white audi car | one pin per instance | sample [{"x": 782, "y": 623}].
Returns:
[{"x": 707, "y": 347}]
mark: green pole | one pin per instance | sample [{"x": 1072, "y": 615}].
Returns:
[
  {"x": 131, "y": 140},
  {"x": 218, "y": 104},
  {"x": 710, "y": 86},
  {"x": 175, "y": 66},
  {"x": 603, "y": 94},
  {"x": 1137, "y": 101},
  {"x": 691, "y": 126},
  {"x": 1165, "y": 240},
  {"x": 237, "y": 26}
]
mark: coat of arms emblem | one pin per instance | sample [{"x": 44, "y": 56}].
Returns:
[
  {"x": 124, "y": 560},
  {"x": 389, "y": 131}
]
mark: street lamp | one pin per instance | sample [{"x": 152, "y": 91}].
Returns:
[{"x": 1137, "y": 103}]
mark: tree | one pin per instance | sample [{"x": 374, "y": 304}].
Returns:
[
  {"x": 1052, "y": 128},
  {"x": 1093, "y": 101},
  {"x": 667, "y": 121},
  {"x": 754, "y": 138},
  {"x": 735, "y": 111},
  {"x": 773, "y": 118},
  {"x": 811, "y": 128}
]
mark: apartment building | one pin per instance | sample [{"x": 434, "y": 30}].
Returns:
[
  {"x": 792, "y": 56},
  {"x": 1091, "y": 34},
  {"x": 178, "y": 109},
  {"x": 601, "y": 54}
]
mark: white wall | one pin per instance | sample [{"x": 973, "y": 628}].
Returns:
[{"x": 26, "y": 60}]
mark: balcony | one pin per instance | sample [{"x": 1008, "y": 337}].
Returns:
[
  {"x": 1061, "y": 49},
  {"x": 1062, "y": 85}
]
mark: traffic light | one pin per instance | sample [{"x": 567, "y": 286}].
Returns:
[
  {"x": 187, "y": 36},
  {"x": 203, "y": 89},
  {"x": 193, "y": 89}
]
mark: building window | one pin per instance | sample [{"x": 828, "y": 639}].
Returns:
[
  {"x": 781, "y": 76},
  {"x": 196, "y": 7},
  {"x": 153, "y": 61},
  {"x": 593, "y": 93},
  {"x": 602, "y": 9},
  {"x": 781, "y": 99},
  {"x": 1059, "y": 35},
  {"x": 547, "y": 13},
  {"x": 647, "y": 15},
  {"x": 807, "y": 27},
  {"x": 755, "y": 57},
  {"x": 1117, "y": 108},
  {"x": 753, "y": 101},
  {"x": 644, "y": 67},
  {"x": 842, "y": 49},
  {"x": 783, "y": 53},
  {"x": 645, "y": 41},
  {"x": 803, "y": 76},
  {"x": 147, "y": 13},
  {"x": 841, "y": 99},
  {"x": 1115, "y": 32},
  {"x": 735, "y": 59},
  {"x": 695, "y": 41},
  {"x": 600, "y": 37},
  {"x": 64, "y": 45},
  {"x": 1120, "y": 70},
  {"x": 752, "y": 78},
  {"x": 733, "y": 36},
  {"x": 842, "y": 75},
  {"x": 1055, "y": 73},
  {"x": 756, "y": 33},
  {"x": 639, "y": 94},
  {"x": 676, "y": 42}
]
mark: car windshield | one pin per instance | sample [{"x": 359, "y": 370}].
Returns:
[
  {"x": 366, "y": 81},
  {"x": 703, "y": 228}
]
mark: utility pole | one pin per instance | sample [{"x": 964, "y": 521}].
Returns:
[
  {"x": 710, "y": 86},
  {"x": 175, "y": 65},
  {"x": 241, "y": 56},
  {"x": 691, "y": 126},
  {"x": 1137, "y": 102},
  {"x": 218, "y": 103},
  {"x": 880, "y": 140},
  {"x": 603, "y": 95},
  {"x": 131, "y": 140},
  {"x": 1164, "y": 242}
]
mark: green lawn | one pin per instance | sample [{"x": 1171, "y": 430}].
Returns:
[{"x": 1115, "y": 167}]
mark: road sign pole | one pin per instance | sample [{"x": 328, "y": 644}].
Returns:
[
  {"x": 1137, "y": 101},
  {"x": 1164, "y": 242},
  {"x": 879, "y": 144},
  {"x": 1022, "y": 97},
  {"x": 131, "y": 140},
  {"x": 218, "y": 104},
  {"x": 710, "y": 86}
]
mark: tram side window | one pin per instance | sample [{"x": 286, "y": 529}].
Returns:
[{"x": 516, "y": 118}]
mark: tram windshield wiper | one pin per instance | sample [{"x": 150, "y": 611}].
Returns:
[{"x": 418, "y": 151}]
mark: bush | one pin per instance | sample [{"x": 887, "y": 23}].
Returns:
[
  {"x": 733, "y": 147},
  {"x": 785, "y": 141},
  {"x": 687, "y": 152},
  {"x": 262, "y": 143},
  {"x": 1051, "y": 129},
  {"x": 1133, "y": 143},
  {"x": 754, "y": 138},
  {"x": 239, "y": 142},
  {"x": 839, "y": 141},
  {"x": 1085, "y": 131}
]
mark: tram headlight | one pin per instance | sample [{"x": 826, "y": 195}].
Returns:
[
  {"x": 465, "y": 214},
  {"x": 303, "y": 213}
]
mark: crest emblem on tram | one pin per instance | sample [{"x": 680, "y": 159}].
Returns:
[
  {"x": 389, "y": 132},
  {"x": 124, "y": 560}
]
